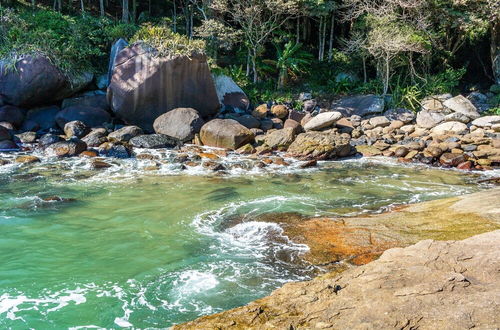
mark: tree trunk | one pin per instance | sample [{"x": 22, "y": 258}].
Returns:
[
  {"x": 297, "y": 38},
  {"x": 134, "y": 10},
  {"x": 248, "y": 63},
  {"x": 365, "y": 78},
  {"x": 125, "y": 11},
  {"x": 82, "y": 8},
  {"x": 386, "y": 75},
  {"x": 254, "y": 65},
  {"x": 175, "y": 18},
  {"x": 320, "y": 29},
  {"x": 101, "y": 7},
  {"x": 330, "y": 44},
  {"x": 495, "y": 50}
]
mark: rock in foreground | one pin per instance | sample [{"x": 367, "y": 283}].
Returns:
[{"x": 429, "y": 285}]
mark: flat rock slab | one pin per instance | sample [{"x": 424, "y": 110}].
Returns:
[{"x": 429, "y": 285}]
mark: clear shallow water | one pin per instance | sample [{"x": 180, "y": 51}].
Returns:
[{"x": 141, "y": 249}]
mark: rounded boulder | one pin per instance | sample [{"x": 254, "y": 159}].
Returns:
[{"x": 180, "y": 123}]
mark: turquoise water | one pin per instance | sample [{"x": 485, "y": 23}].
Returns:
[{"x": 131, "y": 248}]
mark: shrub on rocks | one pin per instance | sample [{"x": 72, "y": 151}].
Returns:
[{"x": 225, "y": 133}]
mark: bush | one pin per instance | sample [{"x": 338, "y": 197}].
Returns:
[
  {"x": 74, "y": 44},
  {"x": 166, "y": 42}
]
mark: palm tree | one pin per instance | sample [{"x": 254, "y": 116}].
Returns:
[{"x": 290, "y": 61}]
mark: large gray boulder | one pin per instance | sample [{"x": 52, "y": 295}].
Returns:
[
  {"x": 360, "y": 105},
  {"x": 144, "y": 86},
  {"x": 36, "y": 81},
  {"x": 230, "y": 94},
  {"x": 462, "y": 105},
  {"x": 320, "y": 145},
  {"x": 323, "y": 120},
  {"x": 92, "y": 117},
  {"x": 12, "y": 114},
  {"x": 429, "y": 118},
  {"x": 116, "y": 48},
  {"x": 180, "y": 123},
  {"x": 486, "y": 121},
  {"x": 225, "y": 133},
  {"x": 44, "y": 117}
]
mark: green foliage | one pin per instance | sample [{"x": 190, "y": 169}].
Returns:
[
  {"x": 291, "y": 61},
  {"x": 74, "y": 44},
  {"x": 166, "y": 42}
]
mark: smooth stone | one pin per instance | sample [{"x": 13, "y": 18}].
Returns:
[{"x": 322, "y": 120}]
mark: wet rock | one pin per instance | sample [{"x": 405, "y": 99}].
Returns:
[
  {"x": 27, "y": 159},
  {"x": 99, "y": 164},
  {"x": 76, "y": 128},
  {"x": 225, "y": 133},
  {"x": 230, "y": 94},
  {"x": 260, "y": 112},
  {"x": 12, "y": 114},
  {"x": 322, "y": 120},
  {"x": 280, "y": 111},
  {"x": 467, "y": 165},
  {"x": 310, "y": 163},
  {"x": 359, "y": 105},
  {"x": 248, "y": 121},
  {"x": 45, "y": 117},
  {"x": 89, "y": 153},
  {"x": 124, "y": 134},
  {"x": 462, "y": 105},
  {"x": 486, "y": 121},
  {"x": 114, "y": 150},
  {"x": 48, "y": 139},
  {"x": 420, "y": 286},
  {"x": 453, "y": 127},
  {"x": 51, "y": 199},
  {"x": 8, "y": 145},
  {"x": 213, "y": 166},
  {"x": 68, "y": 148},
  {"x": 246, "y": 149},
  {"x": 451, "y": 159},
  {"x": 160, "y": 84},
  {"x": 434, "y": 152},
  {"x": 26, "y": 137},
  {"x": 92, "y": 117},
  {"x": 180, "y": 123},
  {"x": 280, "y": 139},
  {"x": 4, "y": 162},
  {"x": 96, "y": 137},
  {"x": 320, "y": 145},
  {"x": 154, "y": 141},
  {"x": 4, "y": 134},
  {"x": 401, "y": 151},
  {"x": 368, "y": 151},
  {"x": 404, "y": 115}
]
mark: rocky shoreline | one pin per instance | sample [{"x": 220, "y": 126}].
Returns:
[
  {"x": 450, "y": 283},
  {"x": 168, "y": 102}
]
